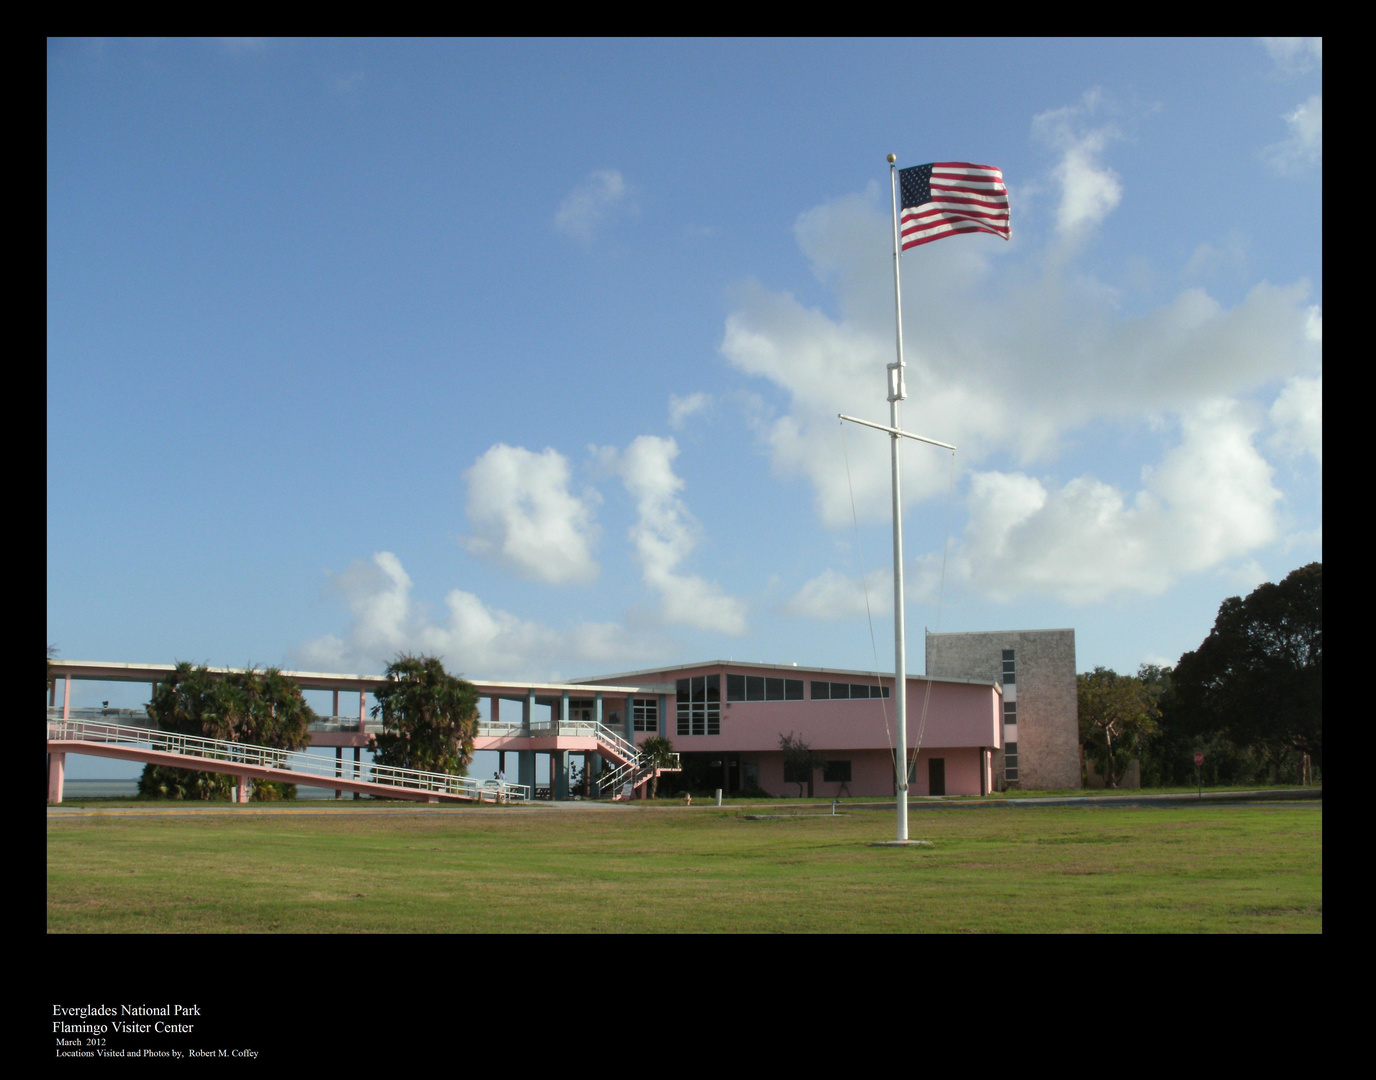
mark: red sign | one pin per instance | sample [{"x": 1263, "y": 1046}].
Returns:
[{"x": 1199, "y": 757}]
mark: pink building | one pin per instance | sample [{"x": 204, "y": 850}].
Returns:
[{"x": 726, "y": 718}]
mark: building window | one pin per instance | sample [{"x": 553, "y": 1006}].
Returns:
[
  {"x": 646, "y": 714},
  {"x": 1009, "y": 667},
  {"x": 1010, "y": 762},
  {"x": 699, "y": 705},
  {"x": 762, "y": 688},
  {"x": 836, "y": 772},
  {"x": 580, "y": 710},
  {"x": 822, "y": 691},
  {"x": 1010, "y": 712}
]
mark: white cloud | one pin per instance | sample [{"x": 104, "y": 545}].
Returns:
[
  {"x": 526, "y": 517},
  {"x": 1015, "y": 375},
  {"x": 1297, "y": 413},
  {"x": 1303, "y": 149},
  {"x": 681, "y": 408},
  {"x": 1295, "y": 55},
  {"x": 1230, "y": 253},
  {"x": 588, "y": 207},
  {"x": 474, "y": 639},
  {"x": 836, "y": 596},
  {"x": 1089, "y": 189},
  {"x": 1210, "y": 500},
  {"x": 665, "y": 533},
  {"x": 1298, "y": 417}
]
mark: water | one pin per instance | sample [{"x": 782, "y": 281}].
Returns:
[{"x": 128, "y": 789}]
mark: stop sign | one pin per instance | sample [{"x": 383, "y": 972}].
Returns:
[{"x": 1199, "y": 757}]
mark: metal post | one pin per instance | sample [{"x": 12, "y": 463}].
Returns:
[{"x": 897, "y": 392}]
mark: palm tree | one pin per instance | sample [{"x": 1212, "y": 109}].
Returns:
[
  {"x": 429, "y": 717},
  {"x": 659, "y": 752},
  {"x": 263, "y": 708}
]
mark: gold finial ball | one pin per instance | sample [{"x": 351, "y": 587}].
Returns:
[{"x": 893, "y": 158}]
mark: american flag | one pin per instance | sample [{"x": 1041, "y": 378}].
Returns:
[{"x": 949, "y": 197}]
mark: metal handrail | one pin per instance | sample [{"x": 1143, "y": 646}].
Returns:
[
  {"x": 637, "y": 770},
  {"x": 326, "y": 724},
  {"x": 627, "y": 750},
  {"x": 113, "y": 716},
  {"x": 269, "y": 757},
  {"x": 625, "y": 747}
]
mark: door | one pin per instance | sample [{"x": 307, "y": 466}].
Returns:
[{"x": 936, "y": 776}]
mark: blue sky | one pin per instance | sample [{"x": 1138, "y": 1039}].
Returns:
[{"x": 529, "y": 353}]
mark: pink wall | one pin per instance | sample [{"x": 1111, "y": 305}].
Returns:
[
  {"x": 872, "y": 774},
  {"x": 958, "y": 715}
]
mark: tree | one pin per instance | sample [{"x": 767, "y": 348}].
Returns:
[
  {"x": 1169, "y": 757},
  {"x": 659, "y": 752},
  {"x": 429, "y": 717},
  {"x": 799, "y": 762},
  {"x": 1258, "y": 677},
  {"x": 263, "y": 708},
  {"x": 1118, "y": 715}
]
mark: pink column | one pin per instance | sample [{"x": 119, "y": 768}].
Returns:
[
  {"x": 241, "y": 789},
  {"x": 66, "y": 696},
  {"x": 57, "y": 766},
  {"x": 358, "y": 751}
]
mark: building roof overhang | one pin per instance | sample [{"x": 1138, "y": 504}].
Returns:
[{"x": 105, "y": 671}]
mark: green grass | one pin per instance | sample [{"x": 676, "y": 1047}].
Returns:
[{"x": 392, "y": 869}]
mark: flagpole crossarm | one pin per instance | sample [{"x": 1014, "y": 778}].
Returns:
[{"x": 896, "y": 431}]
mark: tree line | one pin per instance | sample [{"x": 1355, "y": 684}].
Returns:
[{"x": 1250, "y": 698}]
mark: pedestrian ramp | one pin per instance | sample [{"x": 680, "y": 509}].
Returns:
[{"x": 248, "y": 762}]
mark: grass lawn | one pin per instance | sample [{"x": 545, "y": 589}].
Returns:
[{"x": 329, "y": 869}]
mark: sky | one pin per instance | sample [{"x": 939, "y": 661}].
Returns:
[{"x": 529, "y": 354}]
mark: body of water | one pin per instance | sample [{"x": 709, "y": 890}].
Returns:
[{"x": 128, "y": 789}]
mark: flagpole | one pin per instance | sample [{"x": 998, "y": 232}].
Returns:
[{"x": 897, "y": 392}]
